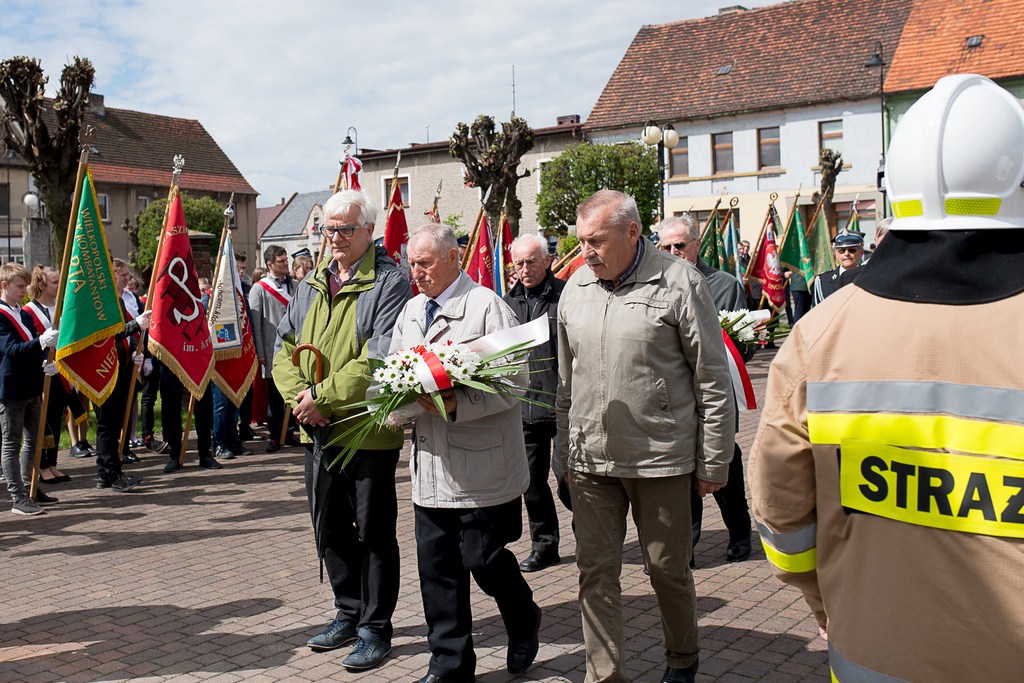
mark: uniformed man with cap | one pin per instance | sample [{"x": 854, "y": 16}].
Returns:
[{"x": 849, "y": 249}]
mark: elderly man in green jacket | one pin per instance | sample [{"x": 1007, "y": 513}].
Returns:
[{"x": 347, "y": 308}]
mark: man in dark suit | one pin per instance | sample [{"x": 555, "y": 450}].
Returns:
[{"x": 849, "y": 248}]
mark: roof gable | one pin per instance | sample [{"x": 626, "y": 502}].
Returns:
[
  {"x": 935, "y": 42},
  {"x": 798, "y": 53},
  {"x": 138, "y": 149},
  {"x": 294, "y": 216}
]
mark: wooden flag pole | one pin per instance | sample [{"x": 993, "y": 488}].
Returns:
[
  {"x": 760, "y": 238},
  {"x": 178, "y": 164},
  {"x": 567, "y": 259},
  {"x": 85, "y": 139},
  {"x": 337, "y": 186},
  {"x": 437, "y": 197},
  {"x": 700, "y": 238},
  {"x": 228, "y": 214},
  {"x": 789, "y": 218},
  {"x": 814, "y": 217},
  {"x": 733, "y": 203},
  {"x": 474, "y": 238}
]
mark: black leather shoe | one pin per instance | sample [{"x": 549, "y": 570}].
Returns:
[
  {"x": 130, "y": 457},
  {"x": 737, "y": 551},
  {"x": 242, "y": 450},
  {"x": 537, "y": 561},
  {"x": 172, "y": 466},
  {"x": 273, "y": 447},
  {"x": 209, "y": 462},
  {"x": 687, "y": 675},
  {"x": 339, "y": 632},
  {"x": 521, "y": 654},
  {"x": 434, "y": 678},
  {"x": 80, "y": 450}
]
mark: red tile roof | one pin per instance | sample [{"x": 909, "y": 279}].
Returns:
[
  {"x": 266, "y": 216},
  {"x": 934, "y": 42},
  {"x": 138, "y": 149},
  {"x": 798, "y": 53}
]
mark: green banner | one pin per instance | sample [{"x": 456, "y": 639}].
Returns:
[
  {"x": 794, "y": 253},
  {"x": 819, "y": 240},
  {"x": 709, "y": 242},
  {"x": 91, "y": 312}
]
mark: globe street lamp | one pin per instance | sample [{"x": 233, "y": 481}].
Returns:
[{"x": 665, "y": 138}]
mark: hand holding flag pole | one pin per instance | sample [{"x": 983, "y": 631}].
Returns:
[{"x": 85, "y": 140}]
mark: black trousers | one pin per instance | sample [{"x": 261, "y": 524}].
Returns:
[
  {"x": 361, "y": 543},
  {"x": 732, "y": 501},
  {"x": 147, "y": 399},
  {"x": 109, "y": 419},
  {"x": 275, "y": 410},
  {"x": 56, "y": 403},
  {"x": 801, "y": 305},
  {"x": 245, "y": 413},
  {"x": 171, "y": 394},
  {"x": 540, "y": 505},
  {"x": 451, "y": 544}
]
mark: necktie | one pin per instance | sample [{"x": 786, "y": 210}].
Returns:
[{"x": 432, "y": 308}]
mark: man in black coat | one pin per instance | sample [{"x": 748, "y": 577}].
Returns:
[
  {"x": 849, "y": 247},
  {"x": 536, "y": 294}
]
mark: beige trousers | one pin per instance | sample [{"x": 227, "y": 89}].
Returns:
[{"x": 661, "y": 512}]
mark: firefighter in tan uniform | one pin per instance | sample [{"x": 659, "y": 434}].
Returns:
[{"x": 892, "y": 492}]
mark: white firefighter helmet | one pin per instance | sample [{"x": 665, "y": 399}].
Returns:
[{"x": 956, "y": 160}]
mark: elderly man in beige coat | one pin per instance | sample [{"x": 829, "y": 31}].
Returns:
[
  {"x": 645, "y": 412},
  {"x": 468, "y": 472}
]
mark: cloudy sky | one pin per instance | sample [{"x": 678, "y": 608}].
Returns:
[{"x": 278, "y": 84}]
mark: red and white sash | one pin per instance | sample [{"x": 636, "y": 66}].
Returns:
[
  {"x": 40, "y": 316},
  {"x": 283, "y": 296},
  {"x": 12, "y": 315},
  {"x": 741, "y": 385}
]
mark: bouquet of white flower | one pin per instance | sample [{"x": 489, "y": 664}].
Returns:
[{"x": 428, "y": 369}]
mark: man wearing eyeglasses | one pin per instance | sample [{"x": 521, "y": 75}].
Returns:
[
  {"x": 849, "y": 249},
  {"x": 346, "y": 307},
  {"x": 679, "y": 237},
  {"x": 535, "y": 295},
  {"x": 268, "y": 300}
]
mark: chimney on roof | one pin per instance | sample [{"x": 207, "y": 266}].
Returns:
[
  {"x": 96, "y": 105},
  {"x": 569, "y": 120},
  {"x": 732, "y": 9}
]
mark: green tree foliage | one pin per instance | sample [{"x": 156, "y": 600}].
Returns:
[
  {"x": 583, "y": 169},
  {"x": 44, "y": 132},
  {"x": 491, "y": 158},
  {"x": 201, "y": 215}
]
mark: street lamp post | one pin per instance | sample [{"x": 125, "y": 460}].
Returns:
[
  {"x": 665, "y": 138},
  {"x": 878, "y": 60},
  {"x": 348, "y": 142}
]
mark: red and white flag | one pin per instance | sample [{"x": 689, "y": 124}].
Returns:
[
  {"x": 234, "y": 350},
  {"x": 768, "y": 271},
  {"x": 481, "y": 262},
  {"x": 178, "y": 333},
  {"x": 351, "y": 168}
]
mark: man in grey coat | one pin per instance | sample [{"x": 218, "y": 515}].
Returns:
[
  {"x": 644, "y": 408},
  {"x": 468, "y": 470}
]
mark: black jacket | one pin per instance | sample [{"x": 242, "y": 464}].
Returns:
[
  {"x": 21, "y": 360},
  {"x": 544, "y": 358}
]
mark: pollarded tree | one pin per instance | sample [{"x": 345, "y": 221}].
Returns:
[
  {"x": 831, "y": 166},
  {"x": 583, "y": 169},
  {"x": 491, "y": 158},
  {"x": 52, "y": 155}
]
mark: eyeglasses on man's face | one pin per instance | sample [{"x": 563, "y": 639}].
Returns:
[
  {"x": 346, "y": 231},
  {"x": 847, "y": 250}
]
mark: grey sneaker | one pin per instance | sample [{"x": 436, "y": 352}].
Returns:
[
  {"x": 24, "y": 506},
  {"x": 339, "y": 632},
  {"x": 368, "y": 653}
]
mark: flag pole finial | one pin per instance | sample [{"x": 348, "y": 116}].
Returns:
[
  {"x": 179, "y": 163},
  {"x": 229, "y": 212},
  {"x": 734, "y": 202}
]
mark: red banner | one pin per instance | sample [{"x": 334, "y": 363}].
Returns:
[
  {"x": 481, "y": 262},
  {"x": 178, "y": 333},
  {"x": 566, "y": 271},
  {"x": 396, "y": 232},
  {"x": 767, "y": 270}
]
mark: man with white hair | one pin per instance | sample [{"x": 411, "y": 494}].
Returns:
[
  {"x": 536, "y": 295},
  {"x": 679, "y": 237},
  {"x": 468, "y": 470},
  {"x": 346, "y": 308}
]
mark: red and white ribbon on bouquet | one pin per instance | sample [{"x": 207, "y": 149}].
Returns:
[
  {"x": 741, "y": 385},
  {"x": 430, "y": 371}
]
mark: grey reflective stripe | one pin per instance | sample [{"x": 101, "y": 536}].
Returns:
[
  {"x": 846, "y": 671},
  {"x": 961, "y": 400},
  {"x": 789, "y": 542}
]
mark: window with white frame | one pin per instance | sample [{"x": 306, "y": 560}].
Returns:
[
  {"x": 403, "y": 187},
  {"x": 103, "y": 204},
  {"x": 830, "y": 135}
]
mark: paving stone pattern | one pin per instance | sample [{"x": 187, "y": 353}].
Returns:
[{"x": 212, "y": 576}]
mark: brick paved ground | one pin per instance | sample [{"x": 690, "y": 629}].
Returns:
[{"x": 211, "y": 575}]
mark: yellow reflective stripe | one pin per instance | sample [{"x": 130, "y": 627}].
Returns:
[
  {"x": 940, "y": 490},
  {"x": 908, "y": 208},
  {"x": 795, "y": 564},
  {"x": 973, "y": 206},
  {"x": 919, "y": 431}
]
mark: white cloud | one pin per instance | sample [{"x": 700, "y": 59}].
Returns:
[{"x": 278, "y": 84}]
